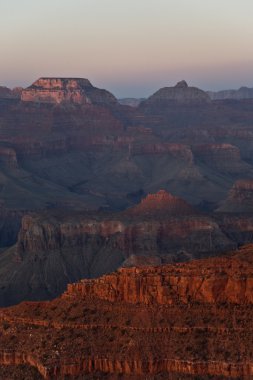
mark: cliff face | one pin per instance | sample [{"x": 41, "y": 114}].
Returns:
[
  {"x": 42, "y": 234},
  {"x": 222, "y": 280},
  {"x": 162, "y": 228},
  {"x": 58, "y": 90},
  {"x": 172, "y": 322}
]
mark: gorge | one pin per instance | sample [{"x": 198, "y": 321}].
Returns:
[{"x": 125, "y": 233}]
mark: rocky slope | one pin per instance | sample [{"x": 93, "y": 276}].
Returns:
[
  {"x": 172, "y": 322},
  {"x": 241, "y": 93}
]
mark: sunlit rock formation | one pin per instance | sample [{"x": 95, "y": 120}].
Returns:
[{"x": 72, "y": 90}]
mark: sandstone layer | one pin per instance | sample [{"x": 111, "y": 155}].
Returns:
[
  {"x": 169, "y": 322},
  {"x": 58, "y": 90}
]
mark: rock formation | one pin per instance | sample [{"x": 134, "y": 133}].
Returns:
[
  {"x": 215, "y": 281},
  {"x": 223, "y": 157},
  {"x": 7, "y": 93},
  {"x": 183, "y": 321},
  {"x": 162, "y": 228},
  {"x": 162, "y": 203},
  {"x": 241, "y": 93},
  {"x": 240, "y": 198},
  {"x": 181, "y": 94},
  {"x": 65, "y": 130},
  {"x": 73, "y": 90}
]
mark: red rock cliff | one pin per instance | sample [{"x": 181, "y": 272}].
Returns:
[
  {"x": 190, "y": 319},
  {"x": 73, "y": 90},
  {"x": 221, "y": 280}
]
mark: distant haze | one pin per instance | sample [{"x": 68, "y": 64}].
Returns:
[{"x": 129, "y": 47}]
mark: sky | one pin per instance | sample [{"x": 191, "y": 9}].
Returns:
[{"x": 131, "y": 47}]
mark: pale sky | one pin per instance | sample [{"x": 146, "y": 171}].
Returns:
[{"x": 130, "y": 47}]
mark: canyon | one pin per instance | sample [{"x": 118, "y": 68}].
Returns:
[
  {"x": 88, "y": 185},
  {"x": 161, "y": 229},
  {"x": 125, "y": 233},
  {"x": 175, "y": 321}
]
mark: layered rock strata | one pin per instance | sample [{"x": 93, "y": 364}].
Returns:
[
  {"x": 73, "y": 90},
  {"x": 223, "y": 280},
  {"x": 167, "y": 322},
  {"x": 162, "y": 228}
]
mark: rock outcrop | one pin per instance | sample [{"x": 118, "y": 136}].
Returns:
[
  {"x": 240, "y": 198},
  {"x": 68, "y": 90},
  {"x": 162, "y": 203},
  {"x": 181, "y": 94},
  {"x": 181, "y": 321},
  {"x": 215, "y": 281}
]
